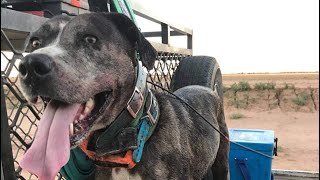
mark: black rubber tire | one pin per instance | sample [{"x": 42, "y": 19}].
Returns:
[{"x": 198, "y": 70}]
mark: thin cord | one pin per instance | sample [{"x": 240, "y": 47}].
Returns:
[
  {"x": 67, "y": 13},
  {"x": 245, "y": 147},
  {"x": 226, "y": 137}
]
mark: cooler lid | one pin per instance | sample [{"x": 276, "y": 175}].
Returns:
[{"x": 253, "y": 138}]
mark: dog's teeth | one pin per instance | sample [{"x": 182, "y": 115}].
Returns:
[
  {"x": 90, "y": 103},
  {"x": 81, "y": 117},
  {"x": 71, "y": 129},
  {"x": 87, "y": 110}
]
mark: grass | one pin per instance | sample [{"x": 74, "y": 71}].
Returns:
[
  {"x": 252, "y": 100},
  {"x": 238, "y": 103},
  {"x": 280, "y": 149},
  {"x": 225, "y": 89},
  {"x": 241, "y": 86},
  {"x": 302, "y": 98},
  {"x": 273, "y": 103},
  {"x": 289, "y": 86},
  {"x": 264, "y": 86},
  {"x": 236, "y": 115},
  {"x": 228, "y": 94}
]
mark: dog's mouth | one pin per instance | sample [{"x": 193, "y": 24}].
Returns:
[
  {"x": 85, "y": 117},
  {"x": 62, "y": 126},
  {"x": 87, "y": 114}
]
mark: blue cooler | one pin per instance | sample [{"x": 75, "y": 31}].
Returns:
[{"x": 245, "y": 164}]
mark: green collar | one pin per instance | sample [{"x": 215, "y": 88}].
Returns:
[{"x": 122, "y": 134}]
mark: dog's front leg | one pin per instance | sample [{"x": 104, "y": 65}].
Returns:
[
  {"x": 103, "y": 173},
  {"x": 115, "y": 174}
]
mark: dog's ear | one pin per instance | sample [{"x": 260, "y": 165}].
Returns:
[{"x": 127, "y": 27}]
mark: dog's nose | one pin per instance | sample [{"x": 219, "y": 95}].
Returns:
[{"x": 35, "y": 65}]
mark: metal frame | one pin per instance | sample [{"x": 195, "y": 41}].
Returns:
[
  {"x": 165, "y": 34},
  {"x": 17, "y": 25}
]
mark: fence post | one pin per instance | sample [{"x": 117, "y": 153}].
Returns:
[{"x": 165, "y": 33}]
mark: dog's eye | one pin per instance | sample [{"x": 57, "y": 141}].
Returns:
[
  {"x": 90, "y": 39},
  {"x": 35, "y": 43}
]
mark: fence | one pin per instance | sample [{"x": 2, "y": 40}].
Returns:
[{"x": 19, "y": 120}]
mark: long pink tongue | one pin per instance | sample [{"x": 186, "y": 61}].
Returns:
[{"x": 51, "y": 147}]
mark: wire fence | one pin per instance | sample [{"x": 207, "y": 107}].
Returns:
[{"x": 23, "y": 118}]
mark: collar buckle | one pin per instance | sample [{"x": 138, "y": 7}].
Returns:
[
  {"x": 152, "y": 111},
  {"x": 135, "y": 103}
]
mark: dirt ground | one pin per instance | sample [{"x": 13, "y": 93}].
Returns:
[{"x": 296, "y": 127}]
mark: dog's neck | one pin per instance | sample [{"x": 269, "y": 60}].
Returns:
[{"x": 129, "y": 131}]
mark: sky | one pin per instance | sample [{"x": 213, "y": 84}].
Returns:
[{"x": 247, "y": 36}]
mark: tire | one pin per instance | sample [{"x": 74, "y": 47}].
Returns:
[{"x": 198, "y": 70}]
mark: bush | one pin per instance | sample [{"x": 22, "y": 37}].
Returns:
[
  {"x": 289, "y": 86},
  {"x": 264, "y": 86},
  {"x": 225, "y": 89},
  {"x": 241, "y": 86},
  {"x": 301, "y": 99},
  {"x": 236, "y": 115},
  {"x": 238, "y": 103}
]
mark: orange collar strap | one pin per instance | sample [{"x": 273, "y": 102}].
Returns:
[{"x": 125, "y": 160}]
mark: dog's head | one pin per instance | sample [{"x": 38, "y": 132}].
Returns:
[{"x": 86, "y": 66}]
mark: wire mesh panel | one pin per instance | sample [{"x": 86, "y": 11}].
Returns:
[
  {"x": 163, "y": 70},
  {"x": 23, "y": 118}
]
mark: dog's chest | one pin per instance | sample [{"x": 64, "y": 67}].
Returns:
[{"x": 124, "y": 174}]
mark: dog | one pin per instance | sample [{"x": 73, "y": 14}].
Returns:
[{"x": 86, "y": 66}]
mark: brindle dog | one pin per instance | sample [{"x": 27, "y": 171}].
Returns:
[{"x": 91, "y": 57}]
